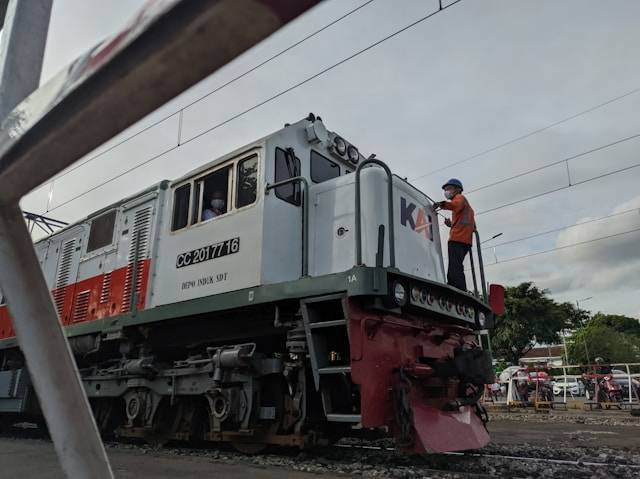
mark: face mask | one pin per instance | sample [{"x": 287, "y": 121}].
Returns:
[
  {"x": 217, "y": 204},
  {"x": 448, "y": 194}
]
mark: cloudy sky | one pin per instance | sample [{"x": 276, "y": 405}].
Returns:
[{"x": 449, "y": 90}]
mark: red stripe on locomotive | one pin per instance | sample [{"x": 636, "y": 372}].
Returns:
[{"x": 93, "y": 298}]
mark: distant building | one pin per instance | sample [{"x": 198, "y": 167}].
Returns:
[{"x": 551, "y": 355}]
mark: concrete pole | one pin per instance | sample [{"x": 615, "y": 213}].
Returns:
[
  {"x": 35, "y": 320},
  {"x": 23, "y": 41}
]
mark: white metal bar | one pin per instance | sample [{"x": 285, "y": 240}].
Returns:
[
  {"x": 49, "y": 358},
  {"x": 24, "y": 37}
]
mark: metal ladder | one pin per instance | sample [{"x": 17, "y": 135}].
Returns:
[{"x": 323, "y": 317}]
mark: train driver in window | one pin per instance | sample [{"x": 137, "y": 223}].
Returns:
[{"x": 217, "y": 205}]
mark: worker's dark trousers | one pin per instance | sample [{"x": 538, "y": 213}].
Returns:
[{"x": 455, "y": 275}]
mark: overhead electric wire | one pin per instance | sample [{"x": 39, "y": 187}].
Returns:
[
  {"x": 527, "y": 135},
  {"x": 570, "y": 185},
  {"x": 217, "y": 89},
  {"x": 572, "y": 245},
  {"x": 325, "y": 70},
  {"x": 562, "y": 228},
  {"x": 558, "y": 162},
  {"x": 273, "y": 97}
]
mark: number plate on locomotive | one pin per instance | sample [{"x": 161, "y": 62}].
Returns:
[{"x": 206, "y": 253}]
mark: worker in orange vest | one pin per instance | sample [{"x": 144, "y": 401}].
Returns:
[{"x": 462, "y": 226}]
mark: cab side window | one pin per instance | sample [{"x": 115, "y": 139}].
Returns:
[
  {"x": 181, "y": 207},
  {"x": 322, "y": 168},
  {"x": 287, "y": 166},
  {"x": 215, "y": 193},
  {"x": 247, "y": 181}
]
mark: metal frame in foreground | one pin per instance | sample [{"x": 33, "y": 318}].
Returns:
[{"x": 168, "y": 47}]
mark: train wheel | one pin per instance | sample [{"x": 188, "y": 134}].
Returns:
[
  {"x": 271, "y": 395},
  {"x": 164, "y": 424},
  {"x": 108, "y": 413}
]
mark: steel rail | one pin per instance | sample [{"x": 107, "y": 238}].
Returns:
[{"x": 501, "y": 456}]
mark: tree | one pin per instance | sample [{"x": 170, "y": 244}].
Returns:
[
  {"x": 531, "y": 317},
  {"x": 614, "y": 338},
  {"x": 576, "y": 318},
  {"x": 621, "y": 324}
]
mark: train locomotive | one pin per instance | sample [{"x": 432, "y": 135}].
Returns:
[{"x": 291, "y": 292}]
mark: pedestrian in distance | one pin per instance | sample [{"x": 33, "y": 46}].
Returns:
[{"x": 462, "y": 224}]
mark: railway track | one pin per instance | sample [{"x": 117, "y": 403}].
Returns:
[
  {"x": 502, "y": 456},
  {"x": 377, "y": 459}
]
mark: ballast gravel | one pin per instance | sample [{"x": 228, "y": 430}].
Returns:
[{"x": 354, "y": 461}]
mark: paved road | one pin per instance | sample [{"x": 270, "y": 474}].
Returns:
[
  {"x": 34, "y": 458},
  {"x": 551, "y": 433}
]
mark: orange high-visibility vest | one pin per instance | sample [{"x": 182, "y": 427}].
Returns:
[{"x": 463, "y": 222}]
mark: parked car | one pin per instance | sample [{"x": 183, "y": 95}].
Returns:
[{"x": 573, "y": 386}]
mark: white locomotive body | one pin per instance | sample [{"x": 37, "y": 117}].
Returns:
[{"x": 284, "y": 271}]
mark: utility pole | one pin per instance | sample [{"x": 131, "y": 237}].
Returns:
[
  {"x": 564, "y": 344},
  {"x": 586, "y": 350}
]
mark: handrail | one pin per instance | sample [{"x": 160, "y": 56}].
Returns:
[
  {"x": 305, "y": 216},
  {"x": 392, "y": 251},
  {"x": 473, "y": 273},
  {"x": 481, "y": 267}
]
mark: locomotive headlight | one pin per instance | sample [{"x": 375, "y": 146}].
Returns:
[
  {"x": 445, "y": 303},
  {"x": 415, "y": 294},
  {"x": 340, "y": 145},
  {"x": 424, "y": 294},
  {"x": 352, "y": 154},
  {"x": 399, "y": 293},
  {"x": 427, "y": 297}
]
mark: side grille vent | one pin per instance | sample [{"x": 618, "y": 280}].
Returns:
[
  {"x": 138, "y": 251},
  {"x": 106, "y": 288},
  {"x": 81, "y": 306},
  {"x": 64, "y": 271}
]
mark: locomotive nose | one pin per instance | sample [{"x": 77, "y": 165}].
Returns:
[{"x": 428, "y": 407}]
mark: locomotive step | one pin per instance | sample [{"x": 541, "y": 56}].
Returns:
[
  {"x": 335, "y": 370},
  {"x": 355, "y": 418},
  {"x": 328, "y": 324}
]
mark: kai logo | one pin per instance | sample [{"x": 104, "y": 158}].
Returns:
[{"x": 416, "y": 218}]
